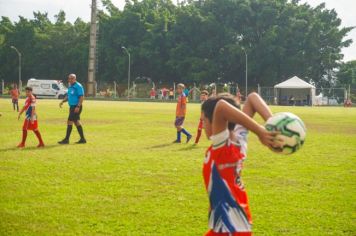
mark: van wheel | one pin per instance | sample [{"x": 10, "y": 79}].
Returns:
[{"x": 60, "y": 96}]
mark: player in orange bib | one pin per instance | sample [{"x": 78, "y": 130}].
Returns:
[
  {"x": 15, "y": 93},
  {"x": 181, "y": 110},
  {"x": 229, "y": 212},
  {"x": 30, "y": 122}
]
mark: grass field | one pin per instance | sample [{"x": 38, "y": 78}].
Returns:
[{"x": 130, "y": 180}]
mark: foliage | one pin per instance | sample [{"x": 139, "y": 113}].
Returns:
[
  {"x": 347, "y": 74},
  {"x": 195, "y": 42}
]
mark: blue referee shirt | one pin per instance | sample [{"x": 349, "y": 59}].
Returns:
[{"x": 75, "y": 91}]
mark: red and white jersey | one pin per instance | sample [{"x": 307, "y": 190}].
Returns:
[
  {"x": 30, "y": 104},
  {"x": 229, "y": 211},
  {"x": 240, "y": 136}
]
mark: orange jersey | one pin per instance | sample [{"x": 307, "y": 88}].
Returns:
[
  {"x": 181, "y": 109},
  {"x": 14, "y": 93}
]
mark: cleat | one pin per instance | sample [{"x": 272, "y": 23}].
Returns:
[
  {"x": 81, "y": 141},
  {"x": 41, "y": 145},
  {"x": 189, "y": 138},
  {"x": 21, "y": 145},
  {"x": 176, "y": 141},
  {"x": 64, "y": 141}
]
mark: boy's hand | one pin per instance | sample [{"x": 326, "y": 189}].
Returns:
[
  {"x": 267, "y": 138},
  {"x": 32, "y": 120},
  {"x": 60, "y": 104},
  {"x": 19, "y": 116}
]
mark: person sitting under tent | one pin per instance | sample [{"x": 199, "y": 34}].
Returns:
[{"x": 348, "y": 103}]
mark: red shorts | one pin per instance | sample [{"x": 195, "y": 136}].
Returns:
[
  {"x": 200, "y": 126},
  {"x": 28, "y": 125},
  {"x": 212, "y": 233}
]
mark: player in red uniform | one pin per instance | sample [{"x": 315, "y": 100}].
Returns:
[
  {"x": 15, "y": 93},
  {"x": 203, "y": 97},
  {"x": 30, "y": 122},
  {"x": 229, "y": 212}
]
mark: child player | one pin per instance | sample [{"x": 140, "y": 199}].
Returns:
[
  {"x": 229, "y": 213},
  {"x": 203, "y": 97},
  {"x": 15, "y": 97},
  {"x": 181, "y": 110},
  {"x": 30, "y": 122}
]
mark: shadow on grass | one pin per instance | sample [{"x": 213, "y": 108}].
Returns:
[
  {"x": 163, "y": 145},
  {"x": 30, "y": 148},
  {"x": 190, "y": 147}
]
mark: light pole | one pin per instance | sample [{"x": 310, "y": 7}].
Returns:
[
  {"x": 19, "y": 54},
  {"x": 129, "y": 71},
  {"x": 243, "y": 49}
]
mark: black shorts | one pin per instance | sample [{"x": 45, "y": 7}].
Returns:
[{"x": 74, "y": 116}]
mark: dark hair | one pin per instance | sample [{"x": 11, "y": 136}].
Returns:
[
  {"x": 28, "y": 89},
  {"x": 209, "y": 105},
  {"x": 204, "y": 92}
]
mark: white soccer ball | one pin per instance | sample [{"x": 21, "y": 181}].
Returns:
[{"x": 292, "y": 132}]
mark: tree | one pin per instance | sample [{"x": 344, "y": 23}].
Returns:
[
  {"x": 347, "y": 74},
  {"x": 195, "y": 42}
]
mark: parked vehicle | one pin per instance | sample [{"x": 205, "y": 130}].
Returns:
[{"x": 47, "y": 88}]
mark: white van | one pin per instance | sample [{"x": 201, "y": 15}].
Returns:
[{"x": 47, "y": 88}]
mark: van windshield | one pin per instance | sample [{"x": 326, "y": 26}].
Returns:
[{"x": 62, "y": 86}]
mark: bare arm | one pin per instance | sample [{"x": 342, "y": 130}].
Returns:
[
  {"x": 63, "y": 101},
  {"x": 225, "y": 112},
  {"x": 24, "y": 108},
  {"x": 81, "y": 99},
  {"x": 20, "y": 113},
  {"x": 255, "y": 104}
]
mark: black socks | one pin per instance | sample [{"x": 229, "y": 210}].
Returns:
[
  {"x": 80, "y": 131},
  {"x": 69, "y": 131}
]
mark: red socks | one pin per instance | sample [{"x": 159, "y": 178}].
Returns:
[
  {"x": 24, "y": 136},
  {"x": 198, "y": 136},
  {"x": 39, "y": 137}
]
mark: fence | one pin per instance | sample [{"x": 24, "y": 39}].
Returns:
[
  {"x": 323, "y": 96},
  {"x": 164, "y": 92},
  {"x": 144, "y": 89},
  {"x": 5, "y": 88}
]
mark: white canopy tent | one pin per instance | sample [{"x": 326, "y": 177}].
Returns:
[{"x": 294, "y": 91}]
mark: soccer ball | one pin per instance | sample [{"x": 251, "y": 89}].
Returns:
[{"x": 292, "y": 132}]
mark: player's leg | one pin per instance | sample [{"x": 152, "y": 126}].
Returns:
[
  {"x": 189, "y": 136},
  {"x": 81, "y": 132},
  {"x": 200, "y": 128},
  {"x": 79, "y": 127},
  {"x": 39, "y": 137},
  {"x": 17, "y": 105},
  {"x": 24, "y": 134},
  {"x": 184, "y": 131},
  {"x": 70, "y": 123},
  {"x": 13, "y": 104},
  {"x": 179, "y": 131},
  {"x": 255, "y": 104},
  {"x": 178, "y": 124},
  {"x": 68, "y": 132},
  {"x": 23, "y": 141}
]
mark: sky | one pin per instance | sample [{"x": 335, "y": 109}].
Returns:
[{"x": 81, "y": 8}]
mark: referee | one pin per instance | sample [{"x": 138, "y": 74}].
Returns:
[{"x": 75, "y": 97}]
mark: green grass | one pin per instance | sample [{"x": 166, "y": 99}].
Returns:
[{"x": 130, "y": 180}]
